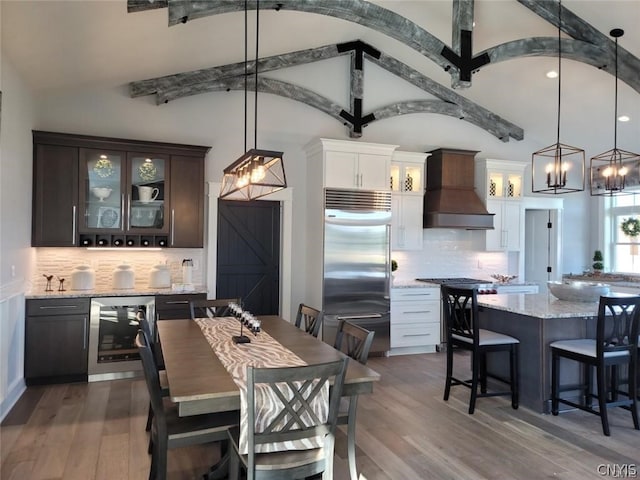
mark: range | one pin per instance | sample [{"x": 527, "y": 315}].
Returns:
[{"x": 482, "y": 286}]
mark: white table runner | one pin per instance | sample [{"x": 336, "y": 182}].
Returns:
[{"x": 263, "y": 351}]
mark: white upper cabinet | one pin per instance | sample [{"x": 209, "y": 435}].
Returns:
[
  {"x": 354, "y": 165},
  {"x": 407, "y": 200},
  {"x": 499, "y": 184}
]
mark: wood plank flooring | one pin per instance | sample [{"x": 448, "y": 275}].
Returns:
[{"x": 405, "y": 431}]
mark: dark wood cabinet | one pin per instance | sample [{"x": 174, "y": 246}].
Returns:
[
  {"x": 55, "y": 196},
  {"x": 171, "y": 307},
  {"x": 56, "y": 340},
  {"x": 97, "y": 191}
]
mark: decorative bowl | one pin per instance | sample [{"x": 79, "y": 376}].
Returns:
[
  {"x": 101, "y": 192},
  {"x": 503, "y": 278},
  {"x": 578, "y": 291}
]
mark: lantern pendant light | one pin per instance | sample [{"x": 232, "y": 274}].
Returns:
[
  {"x": 257, "y": 172},
  {"x": 558, "y": 168},
  {"x": 609, "y": 170}
]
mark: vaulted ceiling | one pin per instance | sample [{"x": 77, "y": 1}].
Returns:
[{"x": 64, "y": 45}]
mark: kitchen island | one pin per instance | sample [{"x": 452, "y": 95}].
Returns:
[{"x": 537, "y": 320}]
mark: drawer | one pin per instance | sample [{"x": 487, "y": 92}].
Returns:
[
  {"x": 176, "y": 306},
  {"x": 415, "y": 312},
  {"x": 58, "y": 306},
  {"x": 414, "y": 294},
  {"x": 415, "y": 335}
]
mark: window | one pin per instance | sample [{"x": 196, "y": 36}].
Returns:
[{"x": 625, "y": 251}]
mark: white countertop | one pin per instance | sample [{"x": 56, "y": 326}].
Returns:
[
  {"x": 412, "y": 283},
  {"x": 540, "y": 305},
  {"x": 111, "y": 292}
]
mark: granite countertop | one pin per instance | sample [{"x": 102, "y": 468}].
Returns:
[
  {"x": 610, "y": 278},
  {"x": 412, "y": 283},
  {"x": 540, "y": 305},
  {"x": 111, "y": 292}
]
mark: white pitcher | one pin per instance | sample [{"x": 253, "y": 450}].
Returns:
[{"x": 147, "y": 194}]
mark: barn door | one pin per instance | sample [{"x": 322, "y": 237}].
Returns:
[{"x": 249, "y": 254}]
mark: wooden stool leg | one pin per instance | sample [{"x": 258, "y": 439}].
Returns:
[
  {"x": 351, "y": 438},
  {"x": 555, "y": 381},
  {"x": 447, "y": 383},
  {"x": 602, "y": 398},
  {"x": 515, "y": 376},
  {"x": 474, "y": 381}
]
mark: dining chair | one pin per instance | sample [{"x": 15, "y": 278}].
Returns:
[
  {"x": 143, "y": 323},
  {"x": 296, "y": 389},
  {"x": 356, "y": 341},
  {"x": 169, "y": 430},
  {"x": 218, "y": 307},
  {"x": 460, "y": 307},
  {"x": 311, "y": 317},
  {"x": 615, "y": 345}
]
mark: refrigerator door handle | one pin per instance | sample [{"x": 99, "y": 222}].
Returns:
[
  {"x": 358, "y": 317},
  {"x": 387, "y": 273}
]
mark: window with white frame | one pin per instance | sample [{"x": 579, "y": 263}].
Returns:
[{"x": 624, "y": 216}]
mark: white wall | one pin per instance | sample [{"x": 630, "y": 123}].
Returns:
[{"x": 16, "y": 256}]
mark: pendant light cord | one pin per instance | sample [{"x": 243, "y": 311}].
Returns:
[
  {"x": 245, "y": 73},
  {"x": 615, "y": 108},
  {"x": 255, "y": 101},
  {"x": 559, "y": 66}
]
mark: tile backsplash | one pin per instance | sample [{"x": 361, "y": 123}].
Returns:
[{"x": 60, "y": 262}]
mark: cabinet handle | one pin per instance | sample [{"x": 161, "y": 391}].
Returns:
[
  {"x": 361, "y": 181},
  {"x": 173, "y": 223},
  {"x": 417, "y": 335},
  {"x": 73, "y": 225},
  {"x": 122, "y": 211},
  {"x": 84, "y": 334},
  {"x": 177, "y": 302},
  {"x": 129, "y": 211},
  {"x": 55, "y": 307},
  {"x": 359, "y": 317},
  {"x": 417, "y": 311}
]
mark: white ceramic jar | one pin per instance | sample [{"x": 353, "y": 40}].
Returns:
[
  {"x": 160, "y": 276},
  {"x": 83, "y": 278},
  {"x": 123, "y": 277}
]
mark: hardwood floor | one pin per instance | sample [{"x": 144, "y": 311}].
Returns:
[{"x": 405, "y": 431}]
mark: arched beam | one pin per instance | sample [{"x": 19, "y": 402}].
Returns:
[{"x": 414, "y": 36}]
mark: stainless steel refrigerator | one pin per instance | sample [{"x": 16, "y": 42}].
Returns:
[{"x": 357, "y": 264}]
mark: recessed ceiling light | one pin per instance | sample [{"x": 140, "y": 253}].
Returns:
[
  {"x": 624, "y": 118},
  {"x": 552, "y": 74}
]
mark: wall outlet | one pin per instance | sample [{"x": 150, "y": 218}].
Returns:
[{"x": 13, "y": 271}]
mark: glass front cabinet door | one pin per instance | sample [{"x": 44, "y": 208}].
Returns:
[{"x": 123, "y": 192}]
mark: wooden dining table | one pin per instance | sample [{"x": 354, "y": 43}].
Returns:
[{"x": 199, "y": 383}]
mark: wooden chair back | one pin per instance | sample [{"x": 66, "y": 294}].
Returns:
[
  {"x": 460, "y": 308},
  {"x": 152, "y": 380},
  {"x": 311, "y": 317},
  {"x": 218, "y": 307},
  {"x": 356, "y": 339},
  {"x": 306, "y": 383},
  {"x": 618, "y": 326}
]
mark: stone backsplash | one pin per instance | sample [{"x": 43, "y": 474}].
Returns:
[{"x": 60, "y": 262}]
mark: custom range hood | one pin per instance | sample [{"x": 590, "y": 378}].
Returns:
[{"x": 450, "y": 200}]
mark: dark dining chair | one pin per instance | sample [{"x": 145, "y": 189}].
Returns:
[
  {"x": 169, "y": 430},
  {"x": 460, "y": 307},
  {"x": 296, "y": 388},
  {"x": 615, "y": 346},
  {"x": 217, "y": 307},
  {"x": 143, "y": 323},
  {"x": 311, "y": 317},
  {"x": 356, "y": 342}
]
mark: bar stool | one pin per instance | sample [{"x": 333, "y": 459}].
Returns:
[
  {"x": 460, "y": 306},
  {"x": 615, "y": 345}
]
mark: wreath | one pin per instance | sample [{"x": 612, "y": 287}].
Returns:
[{"x": 631, "y": 227}]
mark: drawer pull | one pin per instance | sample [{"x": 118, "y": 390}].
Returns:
[
  {"x": 177, "y": 302},
  {"x": 56, "y": 307},
  {"x": 417, "y": 311},
  {"x": 417, "y": 335}
]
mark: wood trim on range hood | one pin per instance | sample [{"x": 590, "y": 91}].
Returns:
[{"x": 450, "y": 200}]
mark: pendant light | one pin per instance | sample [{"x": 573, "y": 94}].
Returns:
[
  {"x": 558, "y": 168},
  {"x": 610, "y": 169},
  {"x": 257, "y": 172}
]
